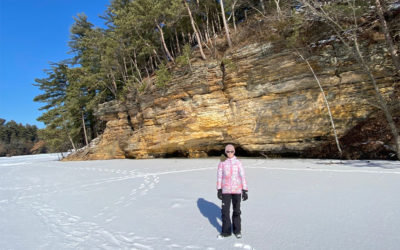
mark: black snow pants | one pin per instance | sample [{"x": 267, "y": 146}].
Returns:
[{"x": 226, "y": 220}]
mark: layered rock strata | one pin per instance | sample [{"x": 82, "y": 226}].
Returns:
[{"x": 260, "y": 98}]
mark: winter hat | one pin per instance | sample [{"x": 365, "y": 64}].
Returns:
[{"x": 229, "y": 147}]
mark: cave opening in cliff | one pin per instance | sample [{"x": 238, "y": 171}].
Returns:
[
  {"x": 215, "y": 152},
  {"x": 176, "y": 154},
  {"x": 239, "y": 151}
]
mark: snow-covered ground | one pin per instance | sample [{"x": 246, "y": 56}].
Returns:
[{"x": 172, "y": 204}]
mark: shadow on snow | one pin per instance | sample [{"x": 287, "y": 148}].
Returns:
[{"x": 211, "y": 211}]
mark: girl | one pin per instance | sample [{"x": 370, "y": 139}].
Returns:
[{"x": 231, "y": 186}]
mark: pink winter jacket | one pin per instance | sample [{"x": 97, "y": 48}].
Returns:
[{"x": 230, "y": 177}]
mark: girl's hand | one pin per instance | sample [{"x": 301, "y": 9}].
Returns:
[
  {"x": 244, "y": 195},
  {"x": 219, "y": 194}
]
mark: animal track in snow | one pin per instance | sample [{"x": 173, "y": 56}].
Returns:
[
  {"x": 75, "y": 233},
  {"x": 149, "y": 182},
  {"x": 68, "y": 231}
]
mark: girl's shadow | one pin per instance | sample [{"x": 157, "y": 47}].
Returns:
[{"x": 211, "y": 211}]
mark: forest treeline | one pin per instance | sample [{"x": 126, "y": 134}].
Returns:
[
  {"x": 18, "y": 139},
  {"x": 143, "y": 38}
]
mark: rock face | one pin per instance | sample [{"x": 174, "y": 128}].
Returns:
[{"x": 260, "y": 98}]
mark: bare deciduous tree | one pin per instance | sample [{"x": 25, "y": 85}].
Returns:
[
  {"x": 163, "y": 42},
  {"x": 278, "y": 8},
  {"x": 228, "y": 37},
  {"x": 232, "y": 15},
  {"x": 349, "y": 38},
  {"x": 388, "y": 37},
  {"x": 326, "y": 103},
  {"x": 195, "y": 30}
]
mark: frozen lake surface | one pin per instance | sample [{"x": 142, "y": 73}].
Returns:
[{"x": 172, "y": 204}]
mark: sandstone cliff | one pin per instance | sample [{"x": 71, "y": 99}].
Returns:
[{"x": 261, "y": 98}]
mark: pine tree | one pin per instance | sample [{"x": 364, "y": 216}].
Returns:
[{"x": 58, "y": 126}]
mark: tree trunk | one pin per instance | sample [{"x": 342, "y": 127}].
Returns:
[
  {"x": 278, "y": 9},
  {"x": 208, "y": 29},
  {"x": 218, "y": 24},
  {"x": 147, "y": 72},
  {"x": 199, "y": 32},
  {"x": 155, "y": 62},
  {"x": 172, "y": 49},
  {"x": 163, "y": 42},
  {"x": 233, "y": 16},
  {"x": 84, "y": 129},
  {"x": 110, "y": 87},
  {"x": 120, "y": 70},
  {"x": 326, "y": 104},
  {"x": 131, "y": 66},
  {"x": 382, "y": 102},
  {"x": 262, "y": 6},
  {"x": 136, "y": 65},
  {"x": 115, "y": 88},
  {"x": 177, "y": 42},
  {"x": 213, "y": 29},
  {"x": 126, "y": 70},
  {"x": 190, "y": 38},
  {"x": 206, "y": 37},
  {"x": 71, "y": 141},
  {"x": 195, "y": 30},
  {"x": 156, "y": 57},
  {"x": 152, "y": 64},
  {"x": 92, "y": 128},
  {"x": 183, "y": 38},
  {"x": 228, "y": 37}
]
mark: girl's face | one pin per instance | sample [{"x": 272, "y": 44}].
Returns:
[{"x": 230, "y": 153}]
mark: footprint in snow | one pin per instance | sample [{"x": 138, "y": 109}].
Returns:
[
  {"x": 244, "y": 246},
  {"x": 192, "y": 247},
  {"x": 176, "y": 205}
]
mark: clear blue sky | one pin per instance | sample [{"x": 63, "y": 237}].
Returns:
[{"x": 34, "y": 33}]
